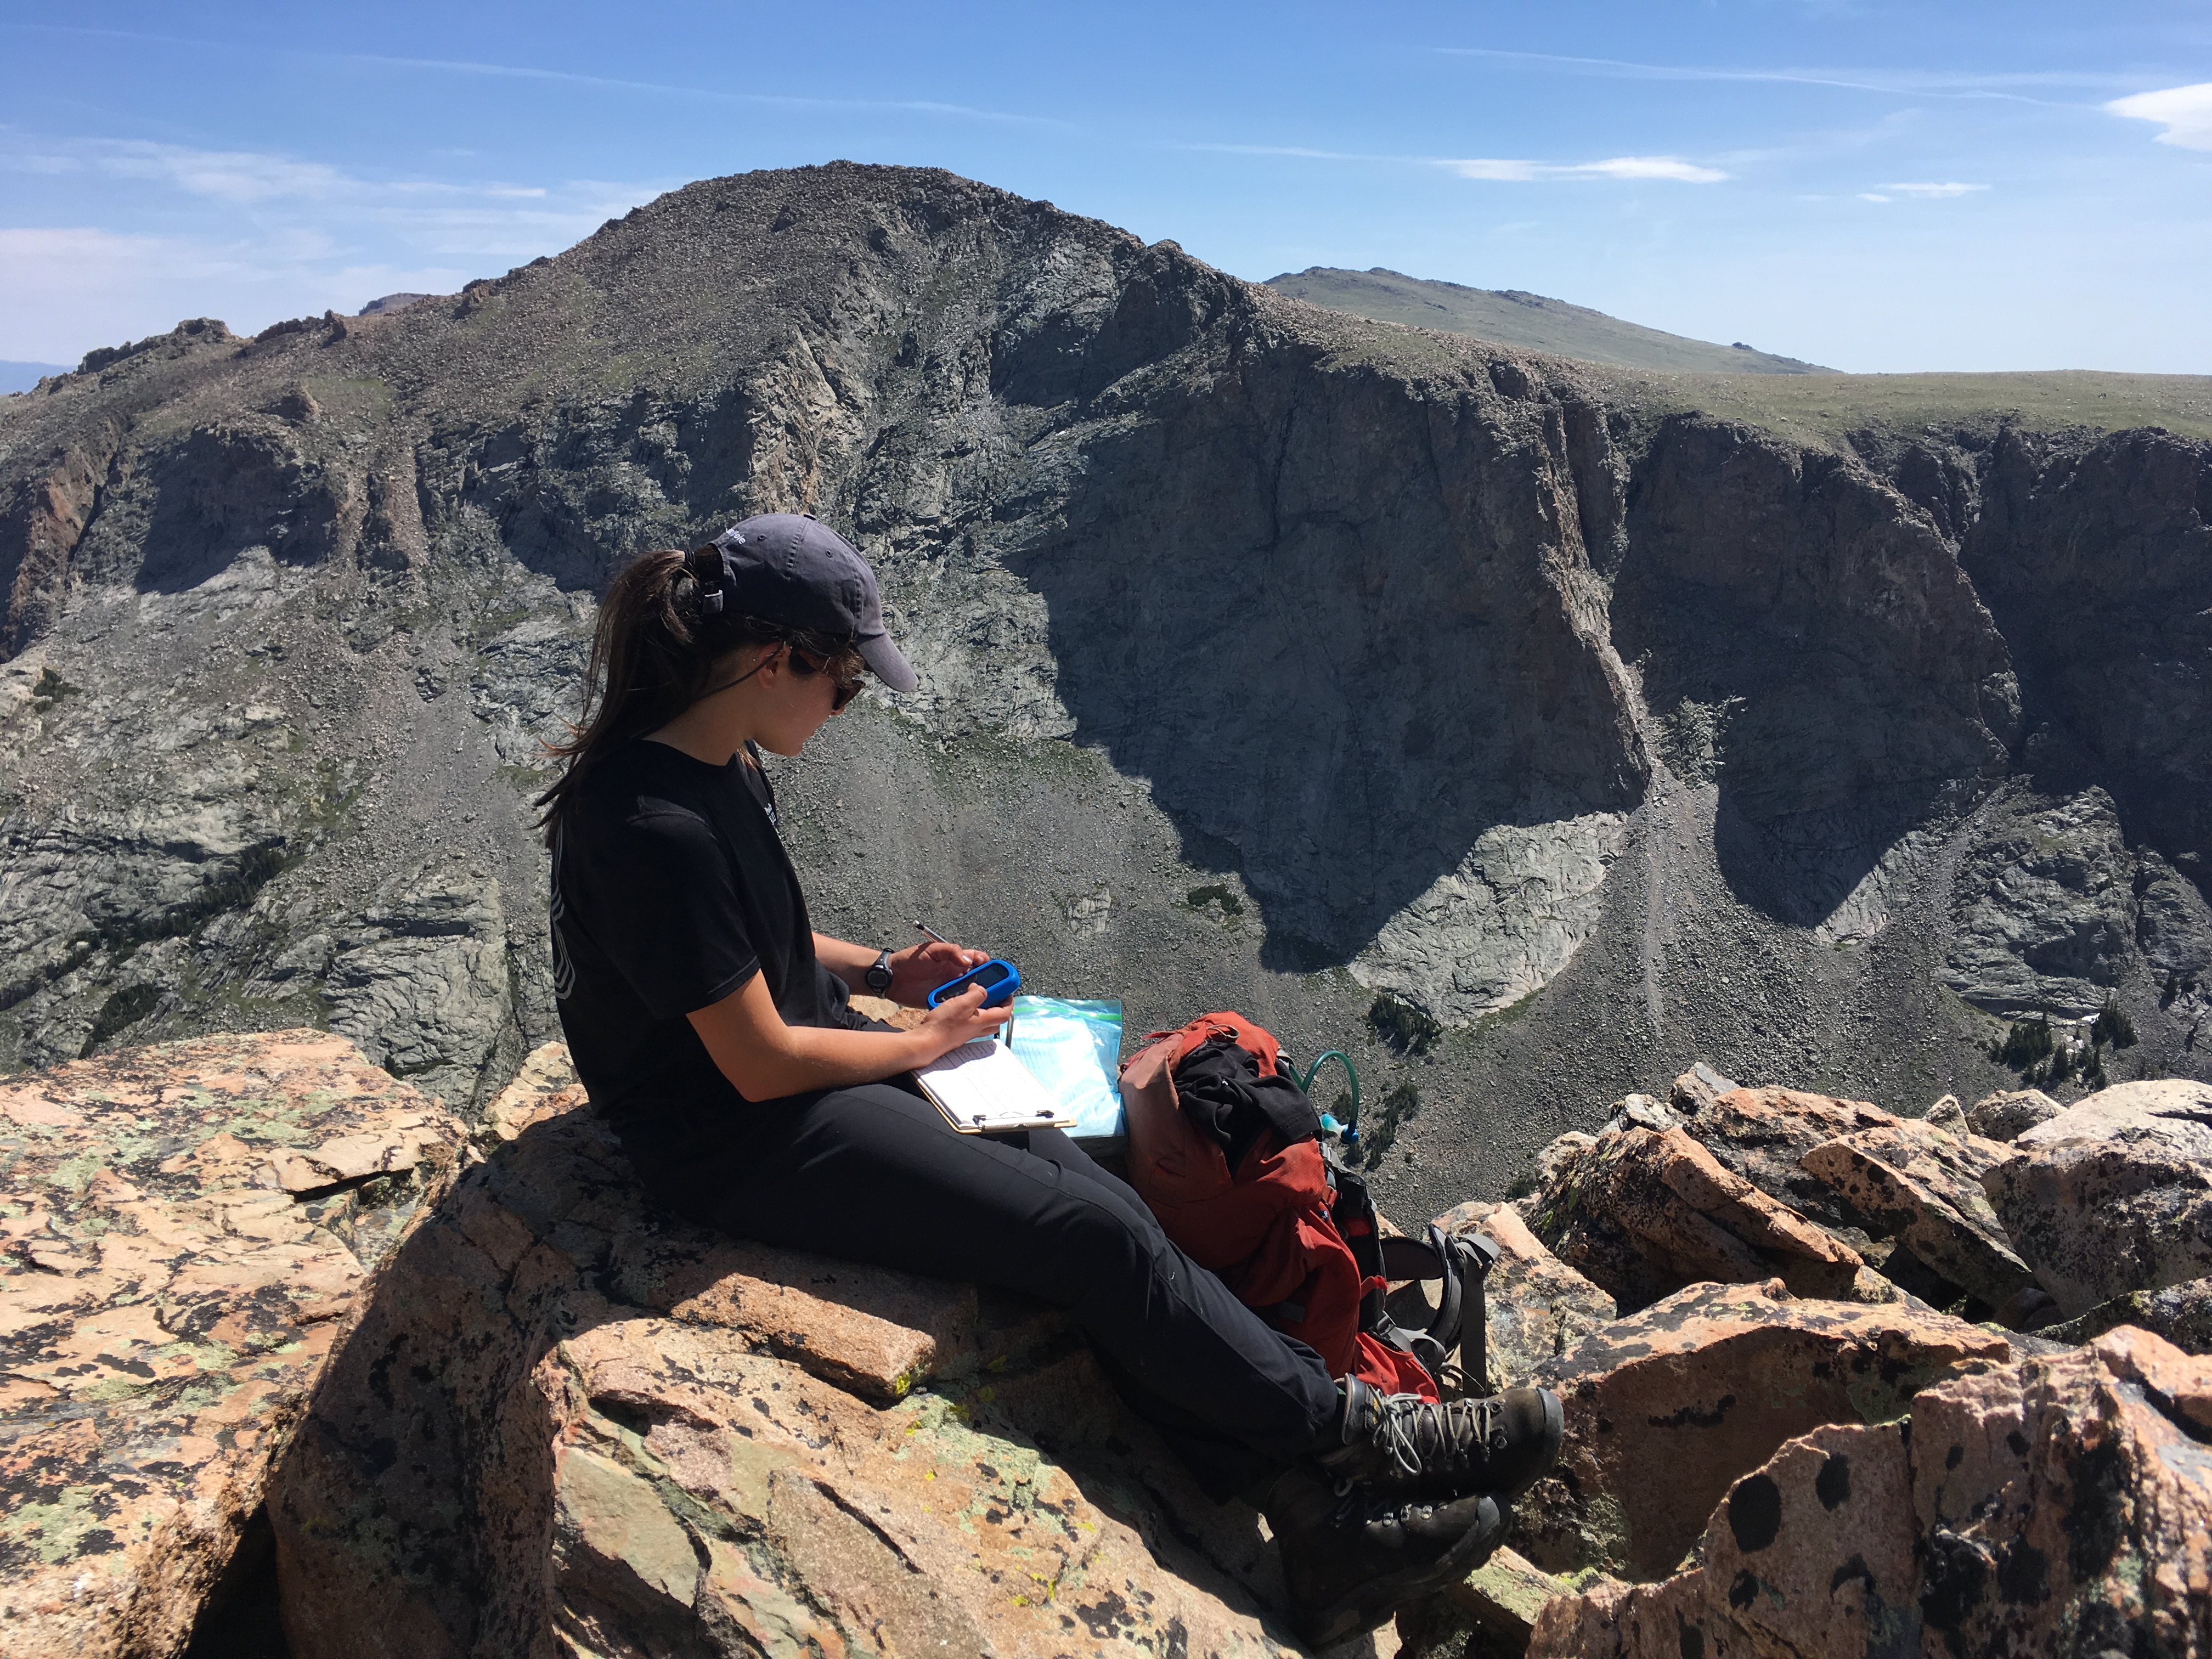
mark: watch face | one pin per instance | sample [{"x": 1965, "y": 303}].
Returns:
[{"x": 879, "y": 973}]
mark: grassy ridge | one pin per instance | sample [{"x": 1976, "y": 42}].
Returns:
[
  {"x": 1821, "y": 410},
  {"x": 1665, "y": 373},
  {"x": 1509, "y": 317}
]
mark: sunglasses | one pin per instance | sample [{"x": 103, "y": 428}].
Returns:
[{"x": 842, "y": 691}]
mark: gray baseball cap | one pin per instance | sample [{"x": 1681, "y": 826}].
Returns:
[{"x": 792, "y": 568}]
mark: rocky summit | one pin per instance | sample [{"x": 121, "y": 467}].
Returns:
[
  {"x": 564, "y": 1427},
  {"x": 298, "y": 1363},
  {"x": 1527, "y": 729},
  {"x": 1564, "y": 744}
]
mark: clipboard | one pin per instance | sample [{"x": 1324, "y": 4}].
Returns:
[{"x": 982, "y": 1089}]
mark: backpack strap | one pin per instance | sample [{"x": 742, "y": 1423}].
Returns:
[
  {"x": 1477, "y": 1255},
  {"x": 1353, "y": 1217},
  {"x": 1460, "y": 1262}
]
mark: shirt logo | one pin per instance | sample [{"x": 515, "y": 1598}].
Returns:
[{"x": 564, "y": 969}]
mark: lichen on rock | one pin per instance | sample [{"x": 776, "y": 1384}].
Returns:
[
  {"x": 1667, "y": 1408},
  {"x": 2052, "y": 1506},
  {"x": 2113, "y": 1195},
  {"x": 566, "y": 1420},
  {"x": 188, "y": 1228}
]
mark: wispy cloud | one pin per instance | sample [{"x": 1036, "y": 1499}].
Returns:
[
  {"x": 65, "y": 288},
  {"x": 2185, "y": 112},
  {"x": 1934, "y": 193},
  {"x": 528, "y": 72},
  {"x": 75, "y": 246},
  {"x": 240, "y": 177},
  {"x": 1933, "y": 83},
  {"x": 270, "y": 235},
  {"x": 248, "y": 178},
  {"x": 1299, "y": 152},
  {"x": 718, "y": 95},
  {"x": 1618, "y": 166},
  {"x": 1520, "y": 172}
]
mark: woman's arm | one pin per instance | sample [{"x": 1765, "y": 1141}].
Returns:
[
  {"x": 765, "y": 1059},
  {"x": 915, "y": 972}
]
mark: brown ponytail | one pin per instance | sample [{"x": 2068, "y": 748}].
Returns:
[{"x": 660, "y": 634}]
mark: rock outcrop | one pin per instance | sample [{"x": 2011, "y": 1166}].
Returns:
[
  {"x": 563, "y": 1425},
  {"x": 1539, "y": 1307},
  {"x": 1838, "y": 1196},
  {"x": 1490, "y": 1615},
  {"x": 188, "y": 1228},
  {"x": 1922, "y": 1187},
  {"x": 2056, "y": 1506},
  {"x": 279, "y": 1330},
  {"x": 2181, "y": 1314},
  {"x": 2009, "y": 1113},
  {"x": 1643, "y": 1212},
  {"x": 1763, "y": 1135},
  {"x": 2114, "y": 1194},
  {"x": 1666, "y": 1409}
]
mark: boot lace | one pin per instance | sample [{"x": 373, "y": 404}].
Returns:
[{"x": 1423, "y": 1438}]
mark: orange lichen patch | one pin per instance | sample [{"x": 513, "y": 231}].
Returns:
[
  {"x": 1643, "y": 1212},
  {"x": 29, "y": 1109},
  {"x": 610, "y": 1417},
  {"x": 345, "y": 1157},
  {"x": 1667, "y": 1408},
  {"x": 544, "y": 1088},
  {"x": 220, "y": 1151},
  {"x": 163, "y": 1317},
  {"x": 2059, "y": 1504}
]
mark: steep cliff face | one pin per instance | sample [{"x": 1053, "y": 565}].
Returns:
[
  {"x": 2098, "y": 567},
  {"x": 1810, "y": 643},
  {"x": 1271, "y": 658}
]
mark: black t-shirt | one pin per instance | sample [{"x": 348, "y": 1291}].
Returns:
[{"x": 671, "y": 889}]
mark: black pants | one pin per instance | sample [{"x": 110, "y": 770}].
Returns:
[{"x": 875, "y": 1174}]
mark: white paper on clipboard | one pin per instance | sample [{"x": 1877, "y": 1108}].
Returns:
[{"x": 982, "y": 1089}]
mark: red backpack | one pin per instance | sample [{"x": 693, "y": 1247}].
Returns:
[{"x": 1292, "y": 1230}]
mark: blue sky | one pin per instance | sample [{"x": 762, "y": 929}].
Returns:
[{"x": 1877, "y": 186}]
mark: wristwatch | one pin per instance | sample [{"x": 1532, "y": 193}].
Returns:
[{"x": 879, "y": 972}]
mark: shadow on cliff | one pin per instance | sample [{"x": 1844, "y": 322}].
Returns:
[
  {"x": 1805, "y": 637},
  {"x": 220, "y": 490},
  {"x": 1324, "y": 615},
  {"x": 2098, "y": 567}
]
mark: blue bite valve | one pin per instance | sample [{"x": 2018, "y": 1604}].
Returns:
[{"x": 1000, "y": 979}]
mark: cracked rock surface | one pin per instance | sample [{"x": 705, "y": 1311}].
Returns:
[
  {"x": 188, "y": 1228},
  {"x": 563, "y": 1425},
  {"x": 2055, "y": 1506},
  {"x": 2113, "y": 1195},
  {"x": 1666, "y": 1409},
  {"x": 267, "y": 1354}
]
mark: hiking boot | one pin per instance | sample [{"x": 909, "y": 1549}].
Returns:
[
  {"x": 1401, "y": 1443},
  {"x": 1352, "y": 1560}
]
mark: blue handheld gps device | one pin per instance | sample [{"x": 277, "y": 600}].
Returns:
[{"x": 1000, "y": 979}]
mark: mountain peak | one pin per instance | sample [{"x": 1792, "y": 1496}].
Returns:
[{"x": 1514, "y": 317}]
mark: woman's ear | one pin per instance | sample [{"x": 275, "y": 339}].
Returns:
[{"x": 754, "y": 662}]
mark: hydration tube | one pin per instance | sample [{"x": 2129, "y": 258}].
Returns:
[{"x": 1350, "y": 1127}]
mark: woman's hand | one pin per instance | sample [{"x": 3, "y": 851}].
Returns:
[
  {"x": 958, "y": 1019},
  {"x": 921, "y": 968},
  {"x": 765, "y": 1059}
]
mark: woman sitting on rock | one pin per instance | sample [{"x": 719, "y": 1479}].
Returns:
[{"x": 710, "y": 1024}]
